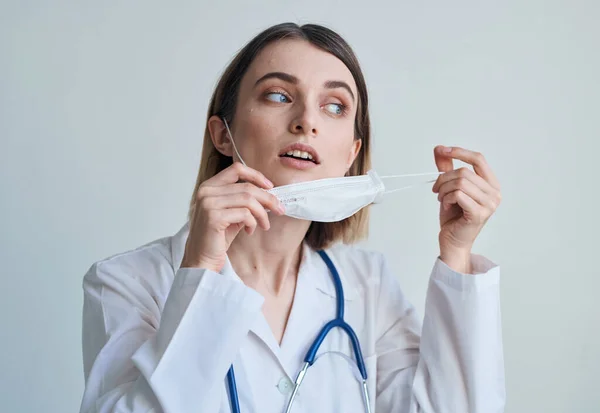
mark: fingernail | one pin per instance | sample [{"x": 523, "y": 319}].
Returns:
[
  {"x": 281, "y": 207},
  {"x": 447, "y": 149},
  {"x": 269, "y": 183}
]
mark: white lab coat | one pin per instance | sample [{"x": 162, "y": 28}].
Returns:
[{"x": 159, "y": 338}]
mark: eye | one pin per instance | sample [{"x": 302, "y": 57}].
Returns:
[
  {"x": 277, "y": 97},
  {"x": 335, "y": 108}
]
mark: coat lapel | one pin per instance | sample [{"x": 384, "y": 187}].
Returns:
[
  {"x": 313, "y": 307},
  {"x": 314, "y": 304}
]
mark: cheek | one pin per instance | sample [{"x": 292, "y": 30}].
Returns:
[
  {"x": 339, "y": 152},
  {"x": 257, "y": 133},
  {"x": 254, "y": 126},
  {"x": 338, "y": 138}
]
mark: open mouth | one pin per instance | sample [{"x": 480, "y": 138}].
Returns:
[{"x": 300, "y": 155}]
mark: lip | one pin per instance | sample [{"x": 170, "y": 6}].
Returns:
[
  {"x": 297, "y": 163},
  {"x": 302, "y": 147}
]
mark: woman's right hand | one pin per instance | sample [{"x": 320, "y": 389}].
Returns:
[{"x": 223, "y": 207}]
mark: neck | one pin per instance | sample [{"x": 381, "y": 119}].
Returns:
[{"x": 269, "y": 257}]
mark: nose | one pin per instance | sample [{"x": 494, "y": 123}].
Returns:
[{"x": 305, "y": 121}]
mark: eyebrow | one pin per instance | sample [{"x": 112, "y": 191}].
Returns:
[
  {"x": 336, "y": 84},
  {"x": 286, "y": 77}
]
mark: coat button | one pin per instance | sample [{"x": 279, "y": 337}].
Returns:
[{"x": 285, "y": 386}]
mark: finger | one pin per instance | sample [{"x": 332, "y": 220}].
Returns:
[
  {"x": 239, "y": 200},
  {"x": 266, "y": 199},
  {"x": 467, "y": 187},
  {"x": 477, "y": 160},
  {"x": 237, "y": 172},
  {"x": 236, "y": 228},
  {"x": 235, "y": 216},
  {"x": 442, "y": 160},
  {"x": 458, "y": 197},
  {"x": 464, "y": 173}
]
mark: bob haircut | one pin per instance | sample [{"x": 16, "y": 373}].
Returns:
[{"x": 223, "y": 104}]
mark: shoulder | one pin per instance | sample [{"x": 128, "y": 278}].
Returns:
[
  {"x": 366, "y": 275},
  {"x": 355, "y": 256},
  {"x": 361, "y": 267},
  {"x": 149, "y": 266}
]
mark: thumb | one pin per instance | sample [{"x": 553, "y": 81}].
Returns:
[
  {"x": 442, "y": 160},
  {"x": 232, "y": 232}
]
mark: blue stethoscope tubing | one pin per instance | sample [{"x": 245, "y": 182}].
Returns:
[{"x": 309, "y": 359}]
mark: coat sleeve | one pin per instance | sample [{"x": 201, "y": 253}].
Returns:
[
  {"x": 455, "y": 364},
  {"x": 140, "y": 359}
]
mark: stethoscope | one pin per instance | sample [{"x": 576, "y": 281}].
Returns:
[{"x": 309, "y": 359}]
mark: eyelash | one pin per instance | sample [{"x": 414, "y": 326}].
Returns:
[
  {"x": 281, "y": 92},
  {"x": 343, "y": 107}
]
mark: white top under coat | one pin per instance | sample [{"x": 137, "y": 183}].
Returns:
[{"x": 159, "y": 338}]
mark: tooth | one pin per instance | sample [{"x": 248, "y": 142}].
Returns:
[
  {"x": 310, "y": 156},
  {"x": 296, "y": 154},
  {"x": 304, "y": 155},
  {"x": 290, "y": 153}
]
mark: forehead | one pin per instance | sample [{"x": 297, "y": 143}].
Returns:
[{"x": 311, "y": 65}]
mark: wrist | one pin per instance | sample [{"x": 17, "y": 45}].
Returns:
[
  {"x": 188, "y": 263},
  {"x": 459, "y": 260}
]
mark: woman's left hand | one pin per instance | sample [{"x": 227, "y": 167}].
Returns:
[{"x": 468, "y": 199}]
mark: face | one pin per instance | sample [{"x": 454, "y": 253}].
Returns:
[{"x": 296, "y": 102}]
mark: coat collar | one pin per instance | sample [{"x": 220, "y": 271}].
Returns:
[
  {"x": 178, "y": 246},
  {"x": 312, "y": 267},
  {"x": 309, "y": 313}
]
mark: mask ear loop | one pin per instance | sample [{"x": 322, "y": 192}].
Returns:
[
  {"x": 411, "y": 175},
  {"x": 233, "y": 142}
]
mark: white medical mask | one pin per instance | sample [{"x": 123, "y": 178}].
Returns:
[{"x": 332, "y": 199}]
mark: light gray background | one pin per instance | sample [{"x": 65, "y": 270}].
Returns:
[{"x": 102, "y": 109}]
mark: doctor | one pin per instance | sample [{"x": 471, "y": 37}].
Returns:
[{"x": 244, "y": 288}]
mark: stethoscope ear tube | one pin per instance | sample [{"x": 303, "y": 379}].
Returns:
[
  {"x": 314, "y": 348},
  {"x": 311, "y": 355},
  {"x": 233, "y": 394},
  {"x": 299, "y": 380},
  {"x": 337, "y": 322}
]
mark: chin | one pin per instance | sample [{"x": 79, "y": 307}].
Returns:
[{"x": 285, "y": 176}]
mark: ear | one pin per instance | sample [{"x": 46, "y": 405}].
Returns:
[
  {"x": 354, "y": 150},
  {"x": 219, "y": 136}
]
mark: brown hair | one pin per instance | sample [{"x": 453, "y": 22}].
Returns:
[{"x": 223, "y": 104}]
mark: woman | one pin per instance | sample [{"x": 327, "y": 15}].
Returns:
[{"x": 245, "y": 286}]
